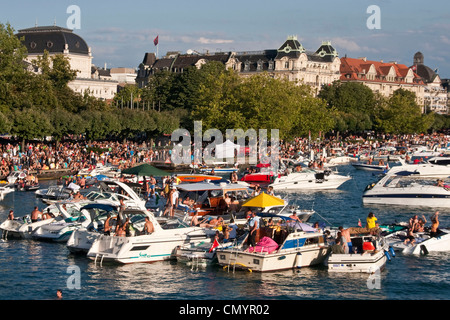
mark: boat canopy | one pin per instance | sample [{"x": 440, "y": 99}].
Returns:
[
  {"x": 190, "y": 187},
  {"x": 105, "y": 207}
]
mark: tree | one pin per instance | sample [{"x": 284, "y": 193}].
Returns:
[
  {"x": 30, "y": 124},
  {"x": 401, "y": 114},
  {"x": 354, "y": 103}
]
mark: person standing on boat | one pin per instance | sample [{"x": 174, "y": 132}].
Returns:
[
  {"x": 346, "y": 238},
  {"x": 35, "y": 214},
  {"x": 371, "y": 221},
  {"x": 251, "y": 240},
  {"x": 434, "y": 224}
]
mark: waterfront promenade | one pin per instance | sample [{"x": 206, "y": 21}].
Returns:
[{"x": 51, "y": 160}]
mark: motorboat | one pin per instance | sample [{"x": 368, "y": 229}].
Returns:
[
  {"x": 5, "y": 189},
  {"x": 99, "y": 169},
  {"x": 433, "y": 168},
  {"x": 209, "y": 198},
  {"x": 293, "y": 245},
  {"x": 219, "y": 170},
  {"x": 81, "y": 239},
  {"x": 157, "y": 246},
  {"x": 370, "y": 166},
  {"x": 368, "y": 254},
  {"x": 203, "y": 254},
  {"x": 112, "y": 191},
  {"x": 442, "y": 160},
  {"x": 394, "y": 189},
  {"x": 337, "y": 160},
  {"x": 60, "y": 231},
  {"x": 197, "y": 177},
  {"x": 262, "y": 173},
  {"x": 54, "y": 193},
  {"x": 423, "y": 243},
  {"x": 23, "y": 227},
  {"x": 14, "y": 176},
  {"x": 309, "y": 179}
]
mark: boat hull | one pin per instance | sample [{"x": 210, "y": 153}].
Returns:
[
  {"x": 140, "y": 249},
  {"x": 368, "y": 167},
  {"x": 305, "y": 181},
  {"x": 264, "y": 262},
  {"x": 357, "y": 263}
]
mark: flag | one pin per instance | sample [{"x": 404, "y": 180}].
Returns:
[
  {"x": 155, "y": 42},
  {"x": 214, "y": 245}
]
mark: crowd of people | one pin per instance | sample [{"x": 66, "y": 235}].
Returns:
[
  {"x": 75, "y": 156},
  {"x": 37, "y": 156},
  {"x": 356, "y": 144}
]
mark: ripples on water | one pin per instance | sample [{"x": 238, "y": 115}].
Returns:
[{"x": 33, "y": 270}]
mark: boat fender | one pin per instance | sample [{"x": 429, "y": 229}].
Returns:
[
  {"x": 392, "y": 252},
  {"x": 298, "y": 260},
  {"x": 423, "y": 249},
  {"x": 387, "y": 255}
]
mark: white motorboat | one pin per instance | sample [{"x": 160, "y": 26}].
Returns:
[
  {"x": 358, "y": 259},
  {"x": 203, "y": 254},
  {"x": 336, "y": 161},
  {"x": 60, "y": 231},
  {"x": 5, "y": 189},
  {"x": 157, "y": 246},
  {"x": 292, "y": 246},
  {"x": 54, "y": 193},
  {"x": 81, "y": 239},
  {"x": 433, "y": 168},
  {"x": 108, "y": 171},
  {"x": 310, "y": 180},
  {"x": 14, "y": 176},
  {"x": 370, "y": 166},
  {"x": 423, "y": 241},
  {"x": 23, "y": 227},
  {"x": 401, "y": 190}
]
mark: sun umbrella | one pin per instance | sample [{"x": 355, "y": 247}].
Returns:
[
  {"x": 264, "y": 200},
  {"x": 146, "y": 170}
]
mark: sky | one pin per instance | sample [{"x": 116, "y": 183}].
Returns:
[{"x": 121, "y": 32}]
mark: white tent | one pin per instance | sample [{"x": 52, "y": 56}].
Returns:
[{"x": 227, "y": 150}]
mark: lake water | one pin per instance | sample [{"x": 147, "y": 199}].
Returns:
[{"x": 33, "y": 270}]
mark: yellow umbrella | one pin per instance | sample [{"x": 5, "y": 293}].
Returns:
[{"x": 263, "y": 200}]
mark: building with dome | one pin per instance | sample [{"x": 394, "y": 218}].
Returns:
[
  {"x": 57, "y": 40},
  {"x": 435, "y": 95}
]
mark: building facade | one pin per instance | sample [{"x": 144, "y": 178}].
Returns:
[
  {"x": 57, "y": 40},
  {"x": 382, "y": 77},
  {"x": 291, "y": 61},
  {"x": 435, "y": 95}
]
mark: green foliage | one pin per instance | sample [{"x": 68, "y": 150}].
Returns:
[
  {"x": 354, "y": 104},
  {"x": 401, "y": 114}
]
